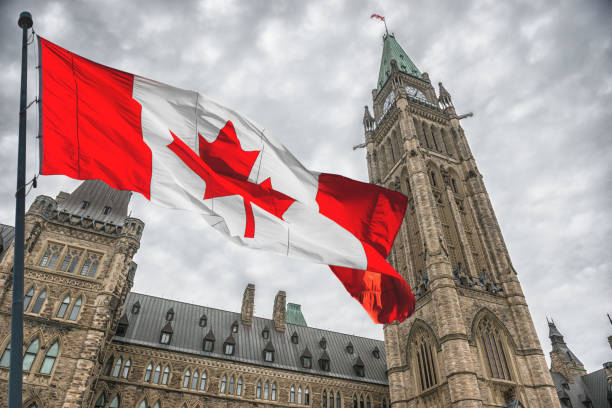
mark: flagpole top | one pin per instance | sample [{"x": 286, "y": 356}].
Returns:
[{"x": 25, "y": 19}]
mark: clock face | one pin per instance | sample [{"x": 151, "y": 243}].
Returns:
[
  {"x": 415, "y": 93},
  {"x": 388, "y": 102}
]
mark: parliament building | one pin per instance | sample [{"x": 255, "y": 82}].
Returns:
[{"x": 89, "y": 341}]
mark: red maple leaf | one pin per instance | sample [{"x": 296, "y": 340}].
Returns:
[{"x": 225, "y": 168}]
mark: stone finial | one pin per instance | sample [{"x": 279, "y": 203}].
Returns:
[
  {"x": 445, "y": 98},
  {"x": 368, "y": 120},
  {"x": 280, "y": 310},
  {"x": 248, "y": 305}
]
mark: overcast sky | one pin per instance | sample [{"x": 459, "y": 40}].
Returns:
[{"x": 537, "y": 75}]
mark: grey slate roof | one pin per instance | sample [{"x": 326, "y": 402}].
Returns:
[
  {"x": 7, "y": 234},
  {"x": 597, "y": 385},
  {"x": 591, "y": 387},
  {"x": 145, "y": 328},
  {"x": 99, "y": 195}
]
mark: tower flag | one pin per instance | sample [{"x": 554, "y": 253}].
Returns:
[
  {"x": 381, "y": 18},
  {"x": 182, "y": 150}
]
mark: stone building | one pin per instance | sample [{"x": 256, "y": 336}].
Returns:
[{"x": 91, "y": 342}]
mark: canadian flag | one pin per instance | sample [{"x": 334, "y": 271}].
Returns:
[{"x": 183, "y": 150}]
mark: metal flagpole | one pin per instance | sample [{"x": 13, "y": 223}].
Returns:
[{"x": 15, "y": 374}]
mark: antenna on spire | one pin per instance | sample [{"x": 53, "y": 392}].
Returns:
[{"x": 381, "y": 18}]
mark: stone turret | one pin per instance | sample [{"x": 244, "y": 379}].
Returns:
[
  {"x": 562, "y": 360},
  {"x": 280, "y": 311},
  {"x": 248, "y": 305}
]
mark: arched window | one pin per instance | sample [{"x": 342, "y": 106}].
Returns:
[
  {"x": 338, "y": 400},
  {"x": 148, "y": 373},
  {"x": 368, "y": 402},
  {"x": 49, "y": 259},
  {"x": 143, "y": 404},
  {"x": 157, "y": 405},
  {"x": 115, "y": 402},
  {"x": 61, "y": 312},
  {"x": 355, "y": 402},
  {"x": 325, "y": 399},
  {"x": 194, "y": 380},
  {"x": 223, "y": 384},
  {"x": 231, "y": 385},
  {"x": 425, "y": 358},
  {"x": 239, "y": 387},
  {"x": 361, "y": 405},
  {"x": 75, "y": 309},
  {"x": 258, "y": 391},
  {"x": 307, "y": 396},
  {"x": 273, "y": 391},
  {"x": 384, "y": 404},
  {"x": 157, "y": 374},
  {"x": 28, "y": 298},
  {"x": 117, "y": 368},
  {"x": 6, "y": 356},
  {"x": 266, "y": 390},
  {"x": 49, "y": 360},
  {"x": 30, "y": 354},
  {"x": 292, "y": 394},
  {"x": 331, "y": 399},
  {"x": 109, "y": 366},
  {"x": 100, "y": 401},
  {"x": 186, "y": 379},
  {"x": 165, "y": 375},
  {"x": 203, "y": 381},
  {"x": 299, "y": 399},
  {"x": 40, "y": 300},
  {"x": 494, "y": 350},
  {"x": 126, "y": 369}
]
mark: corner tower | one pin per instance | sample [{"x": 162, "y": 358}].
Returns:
[
  {"x": 78, "y": 271},
  {"x": 471, "y": 341}
]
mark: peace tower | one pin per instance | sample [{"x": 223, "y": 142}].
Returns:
[{"x": 471, "y": 341}]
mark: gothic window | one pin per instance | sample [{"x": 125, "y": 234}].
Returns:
[
  {"x": 100, "y": 401},
  {"x": 30, "y": 354},
  {"x": 331, "y": 399},
  {"x": 186, "y": 379},
  {"x": 194, "y": 380},
  {"x": 239, "y": 387},
  {"x": 266, "y": 390},
  {"x": 148, "y": 372},
  {"x": 355, "y": 401},
  {"x": 28, "y": 298},
  {"x": 203, "y": 381},
  {"x": 292, "y": 394},
  {"x": 299, "y": 395},
  {"x": 143, "y": 404},
  {"x": 6, "y": 356},
  {"x": 115, "y": 402},
  {"x": 454, "y": 185},
  {"x": 38, "y": 304},
  {"x": 258, "y": 391},
  {"x": 368, "y": 402},
  {"x": 71, "y": 259},
  {"x": 232, "y": 381},
  {"x": 434, "y": 183},
  {"x": 157, "y": 374},
  {"x": 361, "y": 405},
  {"x": 425, "y": 358},
  {"x": 425, "y": 135},
  {"x": 74, "y": 313},
  {"x": 273, "y": 391},
  {"x": 493, "y": 350},
  {"x": 51, "y": 255},
  {"x": 61, "y": 312},
  {"x": 165, "y": 375},
  {"x": 307, "y": 396},
  {"x": 90, "y": 266},
  {"x": 117, "y": 368},
  {"x": 109, "y": 366},
  {"x": 126, "y": 369},
  {"x": 203, "y": 321},
  {"x": 433, "y": 137},
  {"x": 223, "y": 384},
  {"x": 157, "y": 405},
  {"x": 338, "y": 400}
]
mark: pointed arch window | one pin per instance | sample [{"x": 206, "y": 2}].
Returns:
[
  {"x": 157, "y": 405},
  {"x": 239, "y": 387},
  {"x": 74, "y": 313},
  {"x": 307, "y": 396},
  {"x": 148, "y": 372},
  {"x": 273, "y": 391},
  {"x": 187, "y": 378},
  {"x": 338, "y": 400},
  {"x": 368, "y": 402},
  {"x": 258, "y": 390},
  {"x": 223, "y": 384},
  {"x": 117, "y": 368},
  {"x": 115, "y": 402},
  {"x": 292, "y": 394},
  {"x": 231, "y": 385},
  {"x": 494, "y": 350},
  {"x": 50, "y": 357},
  {"x": 355, "y": 405},
  {"x": 266, "y": 390},
  {"x": 71, "y": 259},
  {"x": 299, "y": 395},
  {"x": 109, "y": 366},
  {"x": 165, "y": 375},
  {"x": 194, "y": 380},
  {"x": 126, "y": 369},
  {"x": 40, "y": 300},
  {"x": 331, "y": 399},
  {"x": 6, "y": 356},
  {"x": 50, "y": 257},
  {"x": 28, "y": 298},
  {"x": 361, "y": 404},
  {"x": 61, "y": 312},
  {"x": 203, "y": 381},
  {"x": 324, "y": 398},
  {"x": 425, "y": 357},
  {"x": 143, "y": 404},
  {"x": 30, "y": 354},
  {"x": 100, "y": 401}
]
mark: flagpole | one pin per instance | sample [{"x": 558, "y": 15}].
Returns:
[{"x": 16, "y": 368}]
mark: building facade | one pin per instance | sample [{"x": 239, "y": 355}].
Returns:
[
  {"x": 471, "y": 341},
  {"x": 91, "y": 342}
]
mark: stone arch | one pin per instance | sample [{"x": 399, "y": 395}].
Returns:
[
  {"x": 33, "y": 402},
  {"x": 420, "y": 324},
  {"x": 104, "y": 390},
  {"x": 35, "y": 299},
  {"x": 422, "y": 348},
  {"x": 58, "y": 305},
  {"x": 486, "y": 312}
]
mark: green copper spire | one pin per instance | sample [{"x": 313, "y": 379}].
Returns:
[
  {"x": 393, "y": 51},
  {"x": 294, "y": 315}
]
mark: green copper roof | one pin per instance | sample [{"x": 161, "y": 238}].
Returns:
[
  {"x": 294, "y": 315},
  {"x": 393, "y": 51}
]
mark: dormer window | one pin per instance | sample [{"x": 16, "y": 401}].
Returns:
[
  {"x": 294, "y": 338},
  {"x": 107, "y": 210},
  {"x": 170, "y": 315},
  {"x": 306, "y": 359},
  {"x": 376, "y": 353},
  {"x": 323, "y": 343},
  {"x": 203, "y": 321},
  {"x": 359, "y": 367},
  {"x": 268, "y": 352},
  {"x": 122, "y": 326},
  {"x": 209, "y": 342},
  {"x": 235, "y": 327},
  {"x": 324, "y": 362},
  {"x": 265, "y": 334},
  {"x": 229, "y": 346},
  {"x": 84, "y": 205},
  {"x": 136, "y": 308},
  {"x": 166, "y": 334},
  {"x": 349, "y": 348}
]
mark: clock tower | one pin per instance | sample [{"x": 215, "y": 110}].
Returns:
[{"x": 471, "y": 341}]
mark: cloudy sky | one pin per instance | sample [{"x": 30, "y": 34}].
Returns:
[{"x": 537, "y": 75}]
